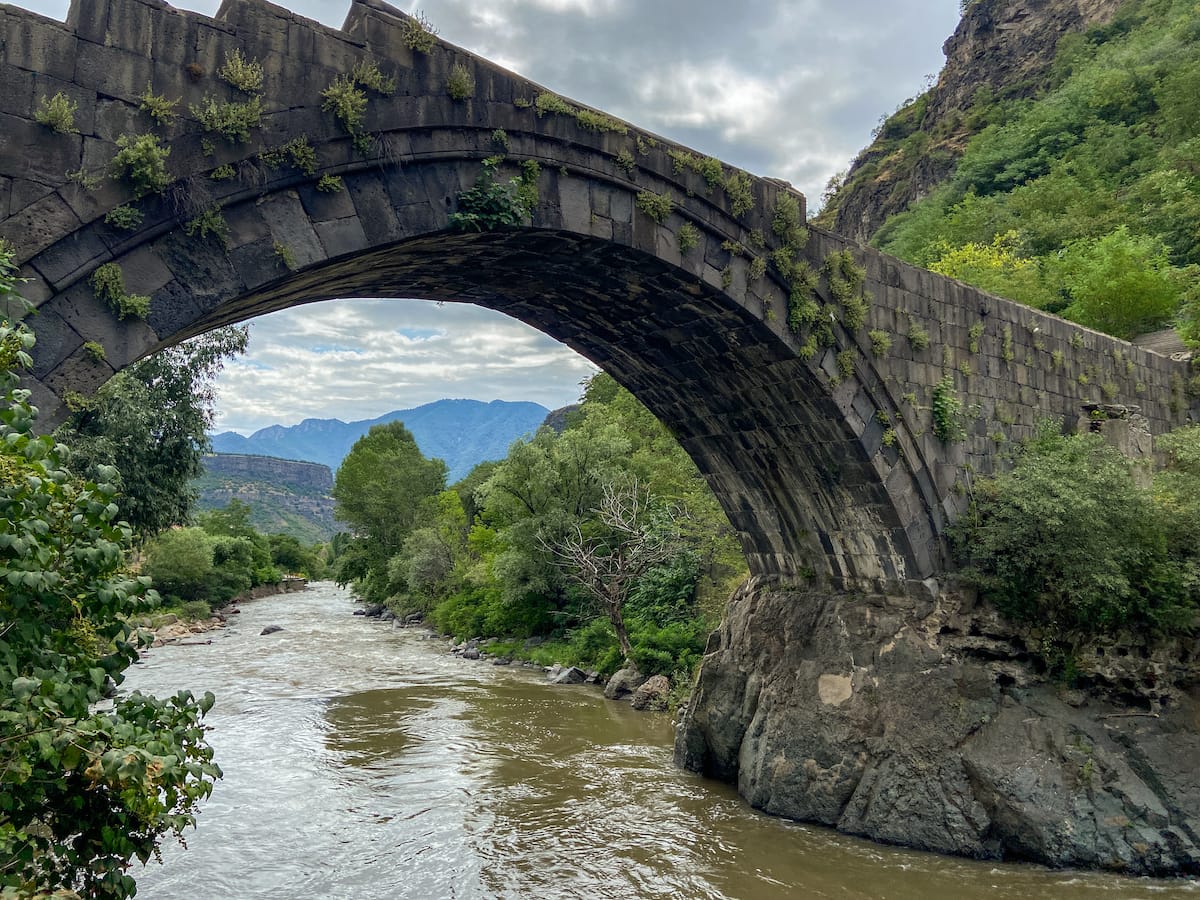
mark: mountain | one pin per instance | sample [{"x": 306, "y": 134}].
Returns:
[
  {"x": 463, "y": 433},
  {"x": 285, "y": 496},
  {"x": 1055, "y": 162}
]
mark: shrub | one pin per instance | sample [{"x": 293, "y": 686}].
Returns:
[
  {"x": 108, "y": 284},
  {"x": 689, "y": 237},
  {"x": 947, "y": 412},
  {"x": 298, "y": 152},
  {"x": 657, "y": 206},
  {"x": 881, "y": 342},
  {"x": 366, "y": 72},
  {"x": 158, "y": 107},
  {"x": 57, "y": 113},
  {"x": 491, "y": 204},
  {"x": 231, "y": 120},
  {"x": 180, "y": 561},
  {"x": 418, "y": 33},
  {"x": 461, "y": 83},
  {"x": 127, "y": 218},
  {"x": 209, "y": 224},
  {"x": 330, "y": 184},
  {"x": 141, "y": 161},
  {"x": 244, "y": 74},
  {"x": 344, "y": 99},
  {"x": 741, "y": 197},
  {"x": 1068, "y": 542},
  {"x": 918, "y": 337}
]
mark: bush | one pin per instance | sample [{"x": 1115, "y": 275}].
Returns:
[
  {"x": 1068, "y": 542},
  {"x": 180, "y": 562}
]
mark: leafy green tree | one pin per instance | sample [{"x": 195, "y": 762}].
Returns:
[
  {"x": 151, "y": 423},
  {"x": 85, "y": 791},
  {"x": 180, "y": 562},
  {"x": 381, "y": 488}
]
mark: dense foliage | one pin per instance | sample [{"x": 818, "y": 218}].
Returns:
[
  {"x": 151, "y": 423},
  {"x": 86, "y": 788},
  {"x": 1082, "y": 200},
  {"x": 480, "y": 558},
  {"x": 1069, "y": 542}
]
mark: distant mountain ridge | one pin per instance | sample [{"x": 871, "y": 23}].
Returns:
[{"x": 463, "y": 433}]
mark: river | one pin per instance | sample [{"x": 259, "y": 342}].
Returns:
[{"x": 363, "y": 762}]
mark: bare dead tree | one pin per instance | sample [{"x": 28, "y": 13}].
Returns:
[{"x": 607, "y": 567}]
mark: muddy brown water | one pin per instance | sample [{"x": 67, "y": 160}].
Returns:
[{"x": 364, "y": 762}]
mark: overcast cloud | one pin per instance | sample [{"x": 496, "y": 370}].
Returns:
[{"x": 782, "y": 88}]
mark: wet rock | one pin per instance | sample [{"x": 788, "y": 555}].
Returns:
[
  {"x": 271, "y": 629},
  {"x": 501, "y": 661},
  {"x": 360, "y": 612},
  {"x": 569, "y": 675},
  {"x": 413, "y": 619},
  {"x": 374, "y": 611},
  {"x": 471, "y": 653},
  {"x": 387, "y": 616},
  {"x": 594, "y": 677},
  {"x": 623, "y": 683},
  {"x": 929, "y": 726}
]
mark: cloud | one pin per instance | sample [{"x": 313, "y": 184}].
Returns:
[{"x": 782, "y": 88}]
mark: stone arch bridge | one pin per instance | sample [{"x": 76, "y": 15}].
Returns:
[{"x": 799, "y": 370}]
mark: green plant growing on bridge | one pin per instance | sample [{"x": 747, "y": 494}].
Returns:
[
  {"x": 157, "y": 106},
  {"x": 657, "y": 206},
  {"x": 491, "y": 203},
  {"x": 881, "y": 342},
  {"x": 141, "y": 162},
  {"x": 689, "y": 237},
  {"x": 366, "y": 72},
  {"x": 246, "y": 75},
  {"x": 57, "y": 113},
  {"x": 418, "y": 33},
  {"x": 947, "y": 412},
  {"x": 108, "y": 284},
  {"x": 125, "y": 217},
  {"x": 918, "y": 337},
  {"x": 210, "y": 223},
  {"x": 89, "y": 181},
  {"x": 95, "y": 351},
  {"x": 500, "y": 140},
  {"x": 1006, "y": 344},
  {"x": 461, "y": 83},
  {"x": 974, "y": 333},
  {"x": 706, "y": 167},
  {"x": 846, "y": 278},
  {"x": 758, "y": 268},
  {"x": 232, "y": 120},
  {"x": 625, "y": 160},
  {"x": 298, "y": 152},
  {"x": 787, "y": 224},
  {"x": 803, "y": 310},
  {"x": 285, "y": 255},
  {"x": 845, "y": 364},
  {"x": 348, "y": 103},
  {"x": 330, "y": 184},
  {"x": 223, "y": 173},
  {"x": 741, "y": 194},
  {"x": 552, "y": 104},
  {"x": 727, "y": 277}
]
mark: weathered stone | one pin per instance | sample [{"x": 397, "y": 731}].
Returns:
[
  {"x": 904, "y": 722},
  {"x": 652, "y": 694},
  {"x": 569, "y": 675},
  {"x": 623, "y": 683}
]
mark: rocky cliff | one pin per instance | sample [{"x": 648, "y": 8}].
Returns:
[
  {"x": 927, "y": 723},
  {"x": 285, "y": 495},
  {"x": 1001, "y": 48}
]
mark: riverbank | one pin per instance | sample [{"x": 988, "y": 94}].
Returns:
[{"x": 177, "y": 627}]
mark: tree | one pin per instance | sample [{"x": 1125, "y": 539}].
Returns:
[
  {"x": 84, "y": 791},
  {"x": 381, "y": 488},
  {"x": 151, "y": 422},
  {"x": 636, "y": 537}
]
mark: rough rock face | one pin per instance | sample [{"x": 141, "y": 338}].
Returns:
[
  {"x": 1005, "y": 45},
  {"x": 926, "y": 724}
]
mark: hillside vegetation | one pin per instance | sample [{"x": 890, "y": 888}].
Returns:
[{"x": 1081, "y": 197}]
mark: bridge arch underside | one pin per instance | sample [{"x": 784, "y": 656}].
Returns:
[{"x": 783, "y": 458}]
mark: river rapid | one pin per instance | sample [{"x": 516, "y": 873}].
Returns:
[{"x": 363, "y": 761}]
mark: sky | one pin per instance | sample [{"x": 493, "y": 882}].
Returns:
[{"x": 786, "y": 89}]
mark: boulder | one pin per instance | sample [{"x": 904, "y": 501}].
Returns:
[
  {"x": 357, "y": 612},
  {"x": 501, "y": 661},
  {"x": 374, "y": 611},
  {"x": 271, "y": 629},
  {"x": 922, "y": 721},
  {"x": 624, "y": 683},
  {"x": 471, "y": 653},
  {"x": 569, "y": 675},
  {"x": 652, "y": 694}
]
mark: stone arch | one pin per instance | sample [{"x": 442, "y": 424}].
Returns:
[{"x": 825, "y": 469}]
